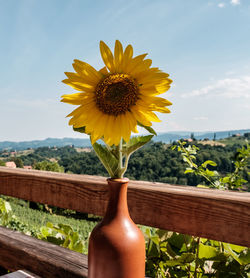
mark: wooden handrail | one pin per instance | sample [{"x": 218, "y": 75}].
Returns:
[
  {"x": 214, "y": 214},
  {"x": 47, "y": 260}
]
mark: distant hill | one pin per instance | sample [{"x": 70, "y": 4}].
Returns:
[
  {"x": 49, "y": 142},
  {"x": 164, "y": 137},
  {"x": 173, "y": 136}
]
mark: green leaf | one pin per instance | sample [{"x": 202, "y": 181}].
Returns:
[
  {"x": 181, "y": 260},
  {"x": 177, "y": 240},
  {"x": 45, "y": 231},
  {"x": 7, "y": 207},
  {"x": 135, "y": 143},
  {"x": 207, "y": 252},
  {"x": 163, "y": 234},
  {"x": 49, "y": 225},
  {"x": 232, "y": 253},
  {"x": 148, "y": 128},
  {"x": 210, "y": 173},
  {"x": 170, "y": 251},
  {"x": 109, "y": 161},
  {"x": 79, "y": 247},
  {"x": 186, "y": 159},
  {"x": 155, "y": 240},
  {"x": 208, "y": 162},
  {"x": 54, "y": 240},
  {"x": 244, "y": 257},
  {"x": 189, "y": 170},
  {"x": 80, "y": 129},
  {"x": 237, "y": 248},
  {"x": 65, "y": 228}
]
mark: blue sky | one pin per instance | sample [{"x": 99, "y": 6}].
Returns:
[{"x": 203, "y": 45}]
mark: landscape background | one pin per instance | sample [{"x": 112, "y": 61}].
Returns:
[{"x": 161, "y": 137}]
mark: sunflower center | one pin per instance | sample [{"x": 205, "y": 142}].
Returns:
[{"x": 116, "y": 94}]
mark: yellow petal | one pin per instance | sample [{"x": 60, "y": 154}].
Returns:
[
  {"x": 141, "y": 117},
  {"x": 125, "y": 131},
  {"x": 117, "y": 131},
  {"x": 144, "y": 74},
  {"x": 86, "y": 70},
  {"x": 107, "y": 56},
  {"x": 132, "y": 122},
  {"x": 155, "y": 78},
  {"x": 150, "y": 116},
  {"x": 104, "y": 71},
  {"x": 84, "y": 87},
  {"x": 157, "y": 101},
  {"x": 128, "y": 53},
  {"x": 83, "y": 101},
  {"x": 94, "y": 137},
  {"x": 135, "y": 62},
  {"x": 118, "y": 56},
  {"x": 161, "y": 109},
  {"x": 108, "y": 129}
]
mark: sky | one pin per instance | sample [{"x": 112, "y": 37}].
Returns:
[{"x": 203, "y": 45}]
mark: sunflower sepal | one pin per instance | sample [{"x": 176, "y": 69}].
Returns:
[
  {"x": 148, "y": 128},
  {"x": 80, "y": 129}
]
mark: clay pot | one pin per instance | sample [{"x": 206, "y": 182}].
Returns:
[{"x": 116, "y": 245}]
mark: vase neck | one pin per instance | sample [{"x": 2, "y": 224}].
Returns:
[{"x": 117, "y": 204}]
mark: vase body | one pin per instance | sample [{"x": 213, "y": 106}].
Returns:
[{"x": 116, "y": 245}]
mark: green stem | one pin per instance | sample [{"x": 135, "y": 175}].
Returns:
[
  {"x": 121, "y": 171},
  {"x": 124, "y": 169},
  {"x": 196, "y": 258}
]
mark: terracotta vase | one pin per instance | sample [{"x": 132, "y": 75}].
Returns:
[{"x": 116, "y": 245}]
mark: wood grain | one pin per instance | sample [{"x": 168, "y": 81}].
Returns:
[
  {"x": 214, "y": 214},
  {"x": 19, "y": 251}
]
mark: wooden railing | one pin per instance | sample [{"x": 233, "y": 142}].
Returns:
[{"x": 213, "y": 214}]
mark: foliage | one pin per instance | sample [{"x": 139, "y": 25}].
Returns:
[
  {"x": 232, "y": 181},
  {"x": 115, "y": 158},
  {"x": 5, "y": 212},
  {"x": 64, "y": 236},
  {"x": 2, "y": 163},
  {"x": 34, "y": 219},
  {"x": 18, "y": 161},
  {"x": 48, "y": 166},
  {"x": 171, "y": 254},
  {"x": 175, "y": 255},
  {"x": 189, "y": 156}
]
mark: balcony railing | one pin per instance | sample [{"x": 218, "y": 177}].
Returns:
[{"x": 213, "y": 214}]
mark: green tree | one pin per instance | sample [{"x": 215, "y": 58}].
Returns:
[
  {"x": 49, "y": 166},
  {"x": 18, "y": 161},
  {"x": 2, "y": 163}
]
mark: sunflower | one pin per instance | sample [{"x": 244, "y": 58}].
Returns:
[{"x": 113, "y": 100}]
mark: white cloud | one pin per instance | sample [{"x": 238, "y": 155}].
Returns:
[
  {"x": 228, "y": 88},
  {"x": 221, "y": 5},
  {"x": 235, "y": 2}
]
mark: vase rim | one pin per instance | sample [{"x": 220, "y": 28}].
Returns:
[{"x": 118, "y": 180}]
